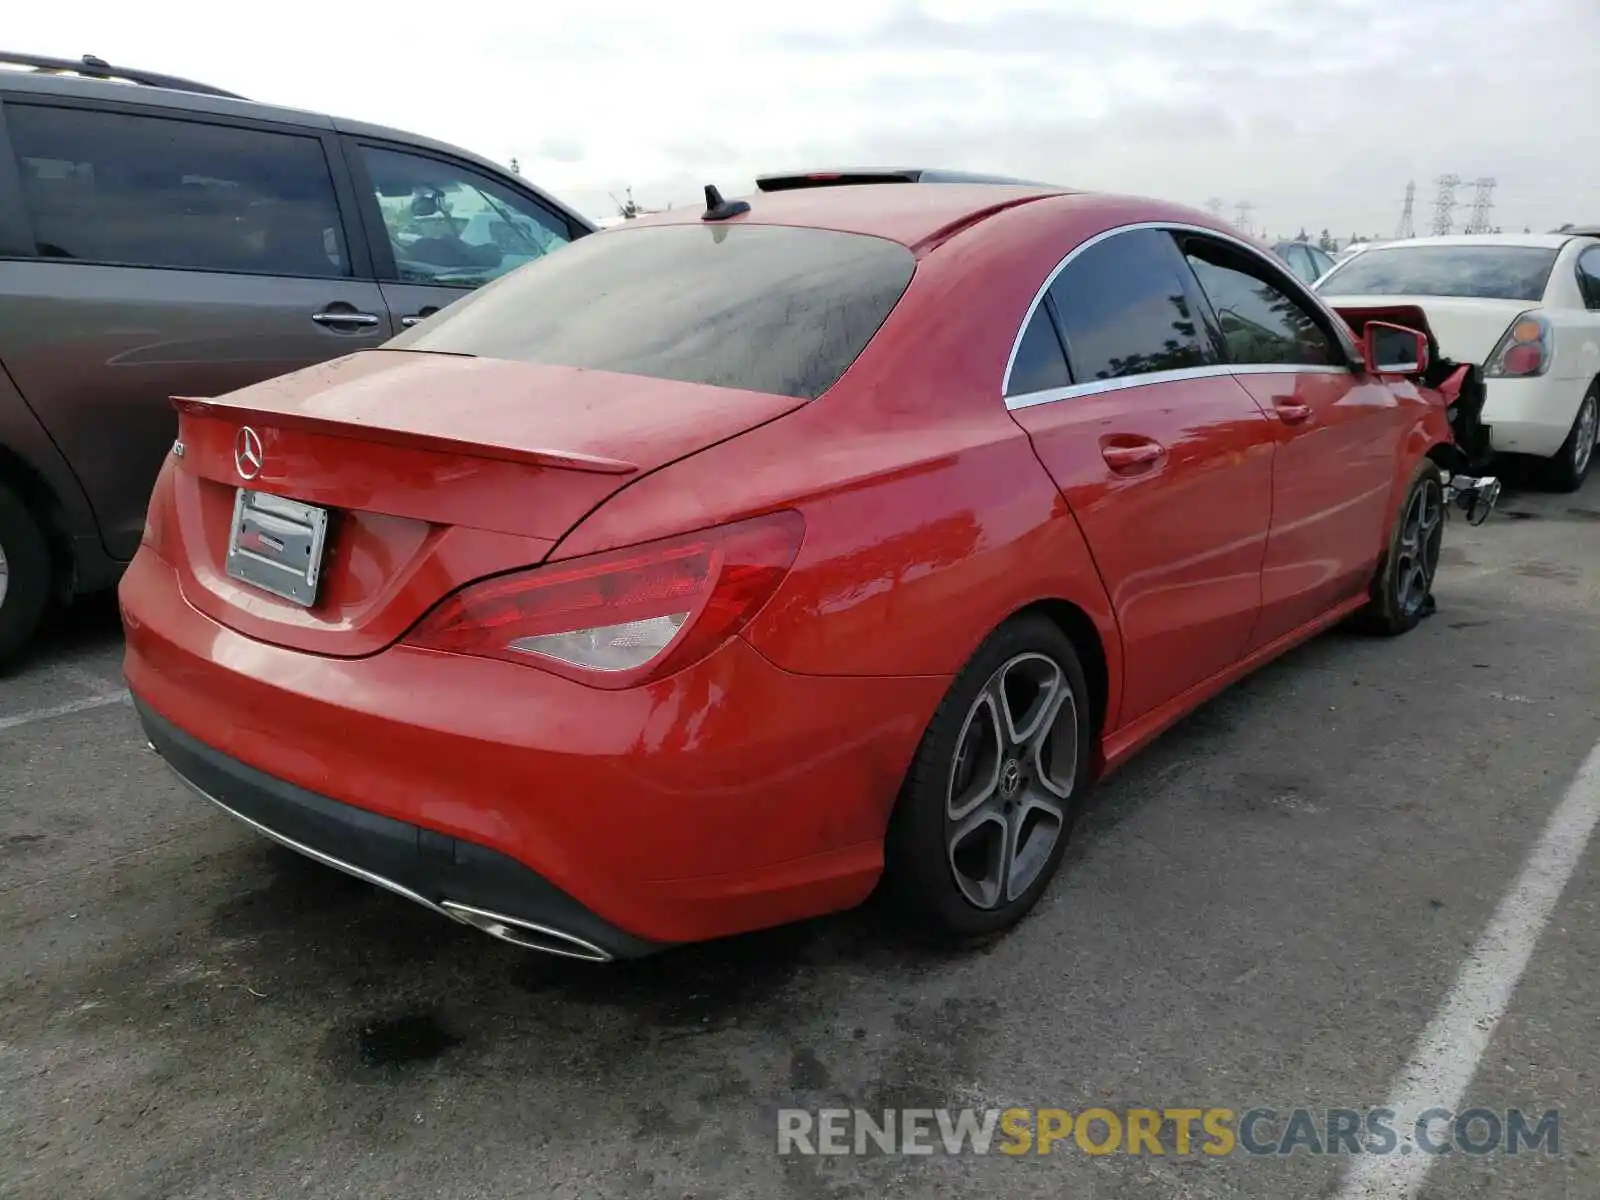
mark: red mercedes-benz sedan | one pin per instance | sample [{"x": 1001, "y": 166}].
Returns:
[{"x": 704, "y": 574}]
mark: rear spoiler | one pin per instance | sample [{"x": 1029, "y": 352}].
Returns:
[{"x": 532, "y": 456}]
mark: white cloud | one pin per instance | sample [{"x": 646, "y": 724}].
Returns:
[{"x": 1319, "y": 111}]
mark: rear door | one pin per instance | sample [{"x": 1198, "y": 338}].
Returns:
[
  {"x": 169, "y": 255},
  {"x": 1338, "y": 434},
  {"x": 1165, "y": 459},
  {"x": 440, "y": 228}
]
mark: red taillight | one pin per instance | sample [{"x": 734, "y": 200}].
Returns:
[
  {"x": 1524, "y": 350},
  {"x": 156, "y": 512},
  {"x": 623, "y": 617}
]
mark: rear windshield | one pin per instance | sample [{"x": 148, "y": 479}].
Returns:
[
  {"x": 1486, "y": 272},
  {"x": 765, "y": 308}
]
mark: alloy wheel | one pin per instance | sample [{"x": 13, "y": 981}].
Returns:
[
  {"x": 1417, "y": 555},
  {"x": 1011, "y": 781},
  {"x": 1588, "y": 427}
]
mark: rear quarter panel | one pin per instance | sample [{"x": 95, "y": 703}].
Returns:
[{"x": 1577, "y": 348}]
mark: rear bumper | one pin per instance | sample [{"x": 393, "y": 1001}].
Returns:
[
  {"x": 729, "y": 797},
  {"x": 454, "y": 877},
  {"x": 1530, "y": 416}
]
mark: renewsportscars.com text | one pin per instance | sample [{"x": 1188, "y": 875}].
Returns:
[{"x": 1214, "y": 1132}]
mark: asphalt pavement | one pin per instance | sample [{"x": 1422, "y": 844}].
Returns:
[{"x": 1267, "y": 909}]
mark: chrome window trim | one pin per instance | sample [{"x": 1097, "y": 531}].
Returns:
[
  {"x": 1106, "y": 385},
  {"x": 1096, "y": 387}
]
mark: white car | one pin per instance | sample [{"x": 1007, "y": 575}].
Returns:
[{"x": 1524, "y": 309}]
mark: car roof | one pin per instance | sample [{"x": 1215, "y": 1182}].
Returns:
[
  {"x": 15, "y": 82},
  {"x": 1540, "y": 241},
  {"x": 911, "y": 214}
]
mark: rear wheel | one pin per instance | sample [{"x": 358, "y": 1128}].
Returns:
[
  {"x": 1566, "y": 471},
  {"x": 984, "y": 815},
  {"x": 24, "y": 575},
  {"x": 1402, "y": 593}
]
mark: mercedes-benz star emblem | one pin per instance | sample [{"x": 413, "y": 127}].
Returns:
[
  {"x": 1010, "y": 778},
  {"x": 247, "y": 454}
]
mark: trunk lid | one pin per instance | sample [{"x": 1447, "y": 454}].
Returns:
[
  {"x": 433, "y": 469},
  {"x": 1467, "y": 329}
]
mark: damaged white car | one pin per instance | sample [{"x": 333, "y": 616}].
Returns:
[{"x": 1523, "y": 310}]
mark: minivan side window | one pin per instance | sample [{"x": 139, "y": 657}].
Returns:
[
  {"x": 106, "y": 187},
  {"x": 1041, "y": 363},
  {"x": 1261, "y": 322},
  {"x": 1125, "y": 311},
  {"x": 448, "y": 224}
]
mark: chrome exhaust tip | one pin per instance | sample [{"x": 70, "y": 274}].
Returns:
[{"x": 529, "y": 935}]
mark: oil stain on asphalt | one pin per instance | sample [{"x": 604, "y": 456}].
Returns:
[{"x": 391, "y": 1046}]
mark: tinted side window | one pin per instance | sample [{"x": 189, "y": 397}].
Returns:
[
  {"x": 1124, "y": 310},
  {"x": 156, "y": 192},
  {"x": 1300, "y": 262},
  {"x": 1589, "y": 277},
  {"x": 765, "y": 308},
  {"x": 1260, "y": 322},
  {"x": 1040, "y": 364},
  {"x": 448, "y": 224}
]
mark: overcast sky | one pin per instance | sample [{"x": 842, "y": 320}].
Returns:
[{"x": 1316, "y": 111}]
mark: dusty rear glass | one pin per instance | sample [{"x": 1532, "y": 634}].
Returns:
[
  {"x": 759, "y": 307},
  {"x": 1481, "y": 272}
]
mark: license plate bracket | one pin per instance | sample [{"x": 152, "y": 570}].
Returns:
[{"x": 276, "y": 544}]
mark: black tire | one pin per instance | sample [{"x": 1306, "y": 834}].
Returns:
[
  {"x": 1567, "y": 470},
  {"x": 1399, "y": 598},
  {"x": 26, "y": 576},
  {"x": 921, "y": 879}
]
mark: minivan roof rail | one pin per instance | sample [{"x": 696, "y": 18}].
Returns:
[{"x": 94, "y": 67}]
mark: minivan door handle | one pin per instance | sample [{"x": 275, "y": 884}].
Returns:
[
  {"x": 419, "y": 316},
  {"x": 345, "y": 319}
]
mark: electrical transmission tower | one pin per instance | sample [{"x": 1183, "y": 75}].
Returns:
[
  {"x": 1407, "y": 228},
  {"x": 1444, "y": 205},
  {"x": 1215, "y": 205},
  {"x": 1241, "y": 218},
  {"x": 1482, "y": 202}
]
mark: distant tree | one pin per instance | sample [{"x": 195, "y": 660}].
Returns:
[
  {"x": 1525, "y": 229},
  {"x": 1326, "y": 242},
  {"x": 516, "y": 167},
  {"x": 1302, "y": 236}
]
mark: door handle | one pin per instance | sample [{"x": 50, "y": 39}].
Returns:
[
  {"x": 1127, "y": 458},
  {"x": 1291, "y": 413},
  {"x": 418, "y": 317},
  {"x": 346, "y": 320}
]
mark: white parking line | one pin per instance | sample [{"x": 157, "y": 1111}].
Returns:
[
  {"x": 61, "y": 710},
  {"x": 1446, "y": 1059}
]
